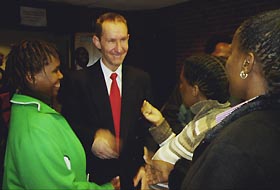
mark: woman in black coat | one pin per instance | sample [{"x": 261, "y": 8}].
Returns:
[{"x": 242, "y": 152}]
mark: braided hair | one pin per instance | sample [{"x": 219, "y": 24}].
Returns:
[
  {"x": 27, "y": 58},
  {"x": 208, "y": 73},
  {"x": 260, "y": 35}
]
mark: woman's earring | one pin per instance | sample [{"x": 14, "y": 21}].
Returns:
[{"x": 243, "y": 75}]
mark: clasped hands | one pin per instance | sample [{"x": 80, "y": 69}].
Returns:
[
  {"x": 104, "y": 144},
  {"x": 155, "y": 171},
  {"x": 104, "y": 147}
]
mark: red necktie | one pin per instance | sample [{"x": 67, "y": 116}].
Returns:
[{"x": 115, "y": 99}]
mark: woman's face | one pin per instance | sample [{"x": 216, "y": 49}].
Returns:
[
  {"x": 186, "y": 91},
  {"x": 47, "y": 81},
  {"x": 234, "y": 64}
]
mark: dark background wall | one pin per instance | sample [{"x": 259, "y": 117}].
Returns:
[
  {"x": 195, "y": 22},
  {"x": 159, "y": 39}
]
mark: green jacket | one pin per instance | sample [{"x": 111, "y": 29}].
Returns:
[{"x": 42, "y": 150}]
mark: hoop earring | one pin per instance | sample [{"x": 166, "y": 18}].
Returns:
[{"x": 243, "y": 75}]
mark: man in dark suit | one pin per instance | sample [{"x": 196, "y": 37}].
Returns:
[{"x": 85, "y": 99}]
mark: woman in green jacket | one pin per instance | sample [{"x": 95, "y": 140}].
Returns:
[{"x": 42, "y": 150}]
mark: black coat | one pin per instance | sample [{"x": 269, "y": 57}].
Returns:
[
  {"x": 242, "y": 152},
  {"x": 86, "y": 105}
]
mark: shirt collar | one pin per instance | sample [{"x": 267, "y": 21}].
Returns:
[{"x": 107, "y": 72}]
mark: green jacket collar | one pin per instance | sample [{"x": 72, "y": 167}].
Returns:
[{"x": 28, "y": 100}]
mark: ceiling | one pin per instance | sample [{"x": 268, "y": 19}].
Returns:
[{"x": 122, "y": 4}]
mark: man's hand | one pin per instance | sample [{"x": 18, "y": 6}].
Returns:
[
  {"x": 151, "y": 113},
  {"x": 104, "y": 145}
]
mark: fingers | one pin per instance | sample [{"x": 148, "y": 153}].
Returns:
[
  {"x": 106, "y": 153},
  {"x": 145, "y": 109},
  {"x": 116, "y": 183},
  {"x": 140, "y": 175},
  {"x": 149, "y": 175},
  {"x": 109, "y": 153},
  {"x": 144, "y": 183},
  {"x": 151, "y": 113},
  {"x": 147, "y": 156},
  {"x": 153, "y": 176},
  {"x": 104, "y": 149}
]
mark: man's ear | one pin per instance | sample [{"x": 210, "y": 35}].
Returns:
[{"x": 96, "y": 42}]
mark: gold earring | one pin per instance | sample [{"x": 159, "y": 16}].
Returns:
[{"x": 243, "y": 75}]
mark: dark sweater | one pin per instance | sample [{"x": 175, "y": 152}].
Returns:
[{"x": 242, "y": 152}]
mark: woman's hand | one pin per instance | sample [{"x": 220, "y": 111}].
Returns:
[
  {"x": 151, "y": 113},
  {"x": 158, "y": 171}
]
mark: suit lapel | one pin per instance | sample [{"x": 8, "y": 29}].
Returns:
[
  {"x": 127, "y": 92},
  {"x": 100, "y": 96}
]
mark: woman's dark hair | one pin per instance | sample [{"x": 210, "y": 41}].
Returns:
[
  {"x": 208, "y": 73},
  {"x": 260, "y": 35},
  {"x": 28, "y": 57}
]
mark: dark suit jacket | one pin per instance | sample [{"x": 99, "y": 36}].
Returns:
[{"x": 86, "y": 105}]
